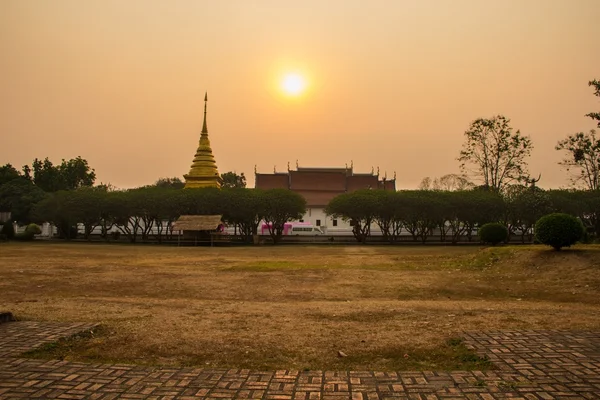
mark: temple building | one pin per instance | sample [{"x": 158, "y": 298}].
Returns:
[
  {"x": 319, "y": 185},
  {"x": 203, "y": 172}
]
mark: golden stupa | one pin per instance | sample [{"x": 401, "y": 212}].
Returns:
[{"x": 204, "y": 172}]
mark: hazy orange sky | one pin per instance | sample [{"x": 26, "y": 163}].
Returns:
[{"x": 392, "y": 83}]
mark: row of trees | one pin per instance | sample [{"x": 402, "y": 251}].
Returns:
[
  {"x": 136, "y": 213},
  {"x": 422, "y": 213},
  {"x": 21, "y": 189}
]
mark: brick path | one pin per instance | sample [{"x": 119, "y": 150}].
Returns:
[{"x": 531, "y": 365}]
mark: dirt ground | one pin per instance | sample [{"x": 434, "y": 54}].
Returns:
[{"x": 295, "y": 307}]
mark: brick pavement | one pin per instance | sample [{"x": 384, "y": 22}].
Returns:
[{"x": 531, "y": 365}]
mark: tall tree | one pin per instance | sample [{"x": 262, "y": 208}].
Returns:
[
  {"x": 494, "y": 154},
  {"x": 69, "y": 175},
  {"x": 582, "y": 159},
  {"x": 8, "y": 173},
  {"x": 281, "y": 206},
  {"x": 359, "y": 208},
  {"x": 595, "y": 115},
  {"x": 244, "y": 210},
  {"x": 233, "y": 180},
  {"x": 19, "y": 196}
]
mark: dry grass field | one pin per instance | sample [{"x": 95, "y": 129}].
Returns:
[{"x": 387, "y": 308}]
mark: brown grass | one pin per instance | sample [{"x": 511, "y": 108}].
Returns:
[{"x": 295, "y": 307}]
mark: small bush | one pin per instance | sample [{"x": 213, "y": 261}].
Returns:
[
  {"x": 558, "y": 230},
  {"x": 33, "y": 229},
  {"x": 8, "y": 230},
  {"x": 493, "y": 233}
]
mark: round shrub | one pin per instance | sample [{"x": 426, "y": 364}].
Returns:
[
  {"x": 493, "y": 233},
  {"x": 558, "y": 230},
  {"x": 33, "y": 229},
  {"x": 8, "y": 230}
]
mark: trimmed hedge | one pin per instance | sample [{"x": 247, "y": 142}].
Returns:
[
  {"x": 493, "y": 233},
  {"x": 558, "y": 230}
]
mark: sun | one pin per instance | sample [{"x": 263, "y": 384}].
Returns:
[{"x": 293, "y": 84}]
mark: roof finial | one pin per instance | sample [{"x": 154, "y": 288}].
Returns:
[
  {"x": 274, "y": 169},
  {"x": 377, "y": 171},
  {"x": 394, "y": 176},
  {"x": 288, "y": 166},
  {"x": 255, "y": 171},
  {"x": 204, "y": 129},
  {"x": 297, "y": 164}
]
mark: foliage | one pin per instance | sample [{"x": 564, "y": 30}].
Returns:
[
  {"x": 422, "y": 212},
  {"x": 493, "y": 233},
  {"x": 595, "y": 115},
  {"x": 358, "y": 208},
  {"x": 524, "y": 206},
  {"x": 281, "y": 206},
  {"x": 8, "y": 230},
  {"x": 232, "y": 180},
  {"x": 19, "y": 196},
  {"x": 496, "y": 155},
  {"x": 583, "y": 158},
  {"x": 558, "y": 230},
  {"x": 8, "y": 173},
  {"x": 59, "y": 209},
  {"x": 169, "y": 183},
  {"x": 69, "y": 175},
  {"x": 33, "y": 229},
  {"x": 245, "y": 210}
]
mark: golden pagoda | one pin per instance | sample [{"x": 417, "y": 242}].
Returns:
[{"x": 204, "y": 172}]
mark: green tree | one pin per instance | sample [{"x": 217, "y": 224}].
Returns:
[
  {"x": 60, "y": 209},
  {"x": 494, "y": 154},
  {"x": 421, "y": 214},
  {"x": 170, "y": 183},
  {"x": 583, "y": 159},
  {"x": 69, "y": 175},
  {"x": 245, "y": 210},
  {"x": 8, "y": 173},
  {"x": 281, "y": 206},
  {"x": 524, "y": 206},
  {"x": 88, "y": 209},
  {"x": 233, "y": 180},
  {"x": 359, "y": 208},
  {"x": 388, "y": 213},
  {"x": 595, "y": 115},
  {"x": 19, "y": 196}
]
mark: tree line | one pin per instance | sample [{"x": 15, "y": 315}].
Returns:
[
  {"x": 456, "y": 214},
  {"x": 149, "y": 212}
]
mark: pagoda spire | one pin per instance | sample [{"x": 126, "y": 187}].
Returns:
[
  {"x": 204, "y": 129},
  {"x": 203, "y": 172}
]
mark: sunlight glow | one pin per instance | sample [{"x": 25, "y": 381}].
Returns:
[{"x": 293, "y": 84}]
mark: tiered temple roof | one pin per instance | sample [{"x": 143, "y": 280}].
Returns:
[
  {"x": 320, "y": 185},
  {"x": 203, "y": 172}
]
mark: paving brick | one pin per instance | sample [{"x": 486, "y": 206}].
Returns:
[{"x": 531, "y": 365}]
